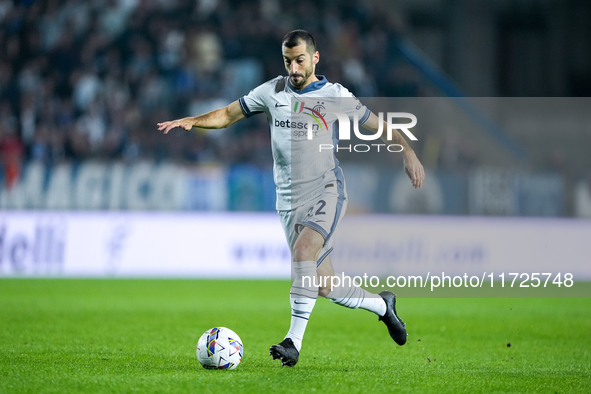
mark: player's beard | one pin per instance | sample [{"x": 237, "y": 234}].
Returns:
[{"x": 302, "y": 81}]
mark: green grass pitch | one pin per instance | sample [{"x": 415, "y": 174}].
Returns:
[{"x": 81, "y": 335}]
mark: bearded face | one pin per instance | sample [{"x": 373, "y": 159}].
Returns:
[{"x": 300, "y": 65}]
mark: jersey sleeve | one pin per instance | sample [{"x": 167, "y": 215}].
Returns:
[
  {"x": 255, "y": 102},
  {"x": 352, "y": 106}
]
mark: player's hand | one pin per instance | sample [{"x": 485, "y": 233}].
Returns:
[
  {"x": 185, "y": 123},
  {"x": 414, "y": 169}
]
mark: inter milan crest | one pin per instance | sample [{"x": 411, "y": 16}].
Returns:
[{"x": 319, "y": 107}]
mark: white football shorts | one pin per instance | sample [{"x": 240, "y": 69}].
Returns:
[{"x": 321, "y": 213}]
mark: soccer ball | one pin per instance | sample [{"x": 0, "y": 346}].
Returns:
[{"x": 219, "y": 348}]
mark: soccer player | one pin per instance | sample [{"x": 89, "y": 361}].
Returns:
[{"x": 311, "y": 196}]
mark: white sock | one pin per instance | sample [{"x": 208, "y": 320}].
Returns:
[
  {"x": 302, "y": 298},
  {"x": 355, "y": 297}
]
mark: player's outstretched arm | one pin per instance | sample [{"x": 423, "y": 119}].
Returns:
[
  {"x": 412, "y": 166},
  {"x": 217, "y": 119}
]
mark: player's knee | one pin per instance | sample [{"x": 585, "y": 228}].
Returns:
[
  {"x": 305, "y": 252},
  {"x": 308, "y": 245}
]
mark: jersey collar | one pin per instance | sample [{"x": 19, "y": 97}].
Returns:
[{"x": 311, "y": 87}]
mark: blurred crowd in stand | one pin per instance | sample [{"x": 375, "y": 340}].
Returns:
[
  {"x": 89, "y": 79},
  {"x": 86, "y": 79}
]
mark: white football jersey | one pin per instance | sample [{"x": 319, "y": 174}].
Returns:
[{"x": 301, "y": 169}]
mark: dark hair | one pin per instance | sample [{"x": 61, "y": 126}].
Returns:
[{"x": 293, "y": 38}]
